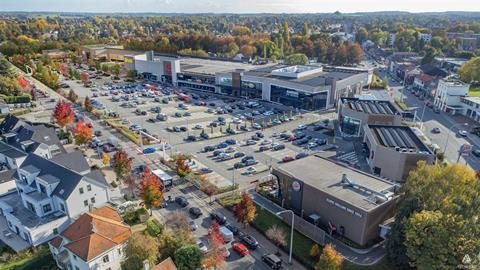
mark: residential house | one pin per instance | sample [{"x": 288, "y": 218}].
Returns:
[
  {"x": 166, "y": 264},
  {"x": 471, "y": 107},
  {"x": 96, "y": 240},
  {"x": 425, "y": 84},
  {"x": 49, "y": 196}
]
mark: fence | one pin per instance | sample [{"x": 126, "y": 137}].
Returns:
[{"x": 306, "y": 228}]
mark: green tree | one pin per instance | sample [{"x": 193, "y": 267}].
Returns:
[
  {"x": 436, "y": 223},
  {"x": 168, "y": 243},
  {"x": 470, "y": 71},
  {"x": 140, "y": 247},
  {"x": 296, "y": 59},
  {"x": 188, "y": 257}
]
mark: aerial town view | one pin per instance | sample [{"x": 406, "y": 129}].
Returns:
[{"x": 239, "y": 134}]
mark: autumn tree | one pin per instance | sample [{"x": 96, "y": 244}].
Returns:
[
  {"x": 245, "y": 211},
  {"x": 208, "y": 188},
  {"x": 72, "y": 96},
  {"x": 63, "y": 113},
  {"x": 82, "y": 133},
  {"x": 150, "y": 189},
  {"x": 181, "y": 166},
  {"x": 315, "y": 250},
  {"x": 105, "y": 159},
  {"x": 277, "y": 236},
  {"x": 140, "y": 247},
  {"x": 178, "y": 221},
  {"x": 169, "y": 243},
  {"x": 470, "y": 71},
  {"x": 122, "y": 163},
  {"x": 87, "y": 103},
  {"x": 437, "y": 218},
  {"x": 330, "y": 259},
  {"x": 85, "y": 78},
  {"x": 215, "y": 256}
]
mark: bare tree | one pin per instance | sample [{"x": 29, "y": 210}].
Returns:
[
  {"x": 277, "y": 236},
  {"x": 177, "y": 221}
]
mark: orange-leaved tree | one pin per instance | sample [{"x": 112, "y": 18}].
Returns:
[
  {"x": 122, "y": 163},
  {"x": 245, "y": 211},
  {"x": 182, "y": 167},
  {"x": 216, "y": 255},
  {"x": 150, "y": 189},
  {"x": 63, "y": 113},
  {"x": 88, "y": 104},
  {"x": 82, "y": 133}
]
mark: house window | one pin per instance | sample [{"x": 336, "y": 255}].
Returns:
[
  {"x": 55, "y": 231},
  {"x": 80, "y": 190},
  {"x": 47, "y": 208},
  {"x": 92, "y": 199},
  {"x": 89, "y": 187},
  {"x": 105, "y": 259},
  {"x": 24, "y": 178},
  {"x": 85, "y": 202},
  {"x": 42, "y": 188},
  {"x": 62, "y": 207}
]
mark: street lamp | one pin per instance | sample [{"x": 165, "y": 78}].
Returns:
[
  {"x": 291, "y": 232},
  {"x": 448, "y": 135}
]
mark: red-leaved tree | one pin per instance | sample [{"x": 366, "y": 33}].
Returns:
[
  {"x": 82, "y": 133},
  {"x": 245, "y": 211},
  {"x": 150, "y": 189},
  {"x": 63, "y": 69},
  {"x": 122, "y": 163},
  {"x": 85, "y": 78},
  {"x": 23, "y": 82},
  {"x": 214, "y": 234},
  {"x": 216, "y": 255},
  {"x": 63, "y": 113}
]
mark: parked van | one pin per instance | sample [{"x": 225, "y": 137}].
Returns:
[{"x": 227, "y": 235}]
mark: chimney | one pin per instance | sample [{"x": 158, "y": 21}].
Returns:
[{"x": 146, "y": 265}]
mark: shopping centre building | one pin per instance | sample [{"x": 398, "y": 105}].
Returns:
[{"x": 308, "y": 87}]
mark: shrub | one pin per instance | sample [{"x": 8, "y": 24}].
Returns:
[
  {"x": 114, "y": 184},
  {"x": 154, "y": 228},
  {"x": 17, "y": 99},
  {"x": 131, "y": 218}
]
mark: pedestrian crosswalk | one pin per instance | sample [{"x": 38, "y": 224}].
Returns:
[{"x": 349, "y": 157}]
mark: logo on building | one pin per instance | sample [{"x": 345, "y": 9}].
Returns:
[{"x": 296, "y": 186}]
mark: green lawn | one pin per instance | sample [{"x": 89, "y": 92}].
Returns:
[
  {"x": 474, "y": 91},
  {"x": 301, "y": 243},
  {"x": 41, "y": 260}
]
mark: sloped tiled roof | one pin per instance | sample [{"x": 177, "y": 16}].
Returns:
[
  {"x": 91, "y": 234},
  {"x": 107, "y": 212},
  {"x": 167, "y": 264},
  {"x": 56, "y": 242}
]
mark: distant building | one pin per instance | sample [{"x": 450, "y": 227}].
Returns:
[
  {"x": 393, "y": 151},
  {"x": 106, "y": 53},
  {"x": 449, "y": 93},
  {"x": 55, "y": 54},
  {"x": 471, "y": 107},
  {"x": 426, "y": 37},
  {"x": 353, "y": 113},
  {"x": 96, "y": 240},
  {"x": 450, "y": 64},
  {"x": 467, "y": 40},
  {"x": 424, "y": 83},
  {"x": 391, "y": 39},
  {"x": 346, "y": 201}
]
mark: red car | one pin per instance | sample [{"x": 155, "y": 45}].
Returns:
[
  {"x": 240, "y": 249},
  {"x": 90, "y": 125},
  {"x": 291, "y": 138},
  {"x": 288, "y": 158}
]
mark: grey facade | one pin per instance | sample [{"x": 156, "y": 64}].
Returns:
[
  {"x": 394, "y": 151},
  {"x": 350, "y": 201}
]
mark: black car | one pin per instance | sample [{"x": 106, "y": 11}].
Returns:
[
  {"x": 272, "y": 261},
  {"x": 264, "y": 148},
  {"x": 244, "y": 159},
  {"x": 195, "y": 212},
  {"x": 476, "y": 153},
  {"x": 238, "y": 155},
  {"x": 301, "y": 155},
  {"x": 219, "y": 217},
  {"x": 279, "y": 147},
  {"x": 208, "y": 148},
  {"x": 249, "y": 241},
  {"x": 183, "y": 129},
  {"x": 259, "y": 134},
  {"x": 204, "y": 135},
  {"x": 182, "y": 201},
  {"x": 232, "y": 228},
  {"x": 239, "y": 165}
]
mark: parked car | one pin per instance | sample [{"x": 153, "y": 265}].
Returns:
[
  {"x": 238, "y": 155},
  {"x": 193, "y": 225},
  {"x": 182, "y": 201},
  {"x": 436, "y": 130},
  {"x": 249, "y": 241},
  {"x": 232, "y": 228},
  {"x": 206, "y": 170},
  {"x": 272, "y": 261},
  {"x": 231, "y": 141},
  {"x": 239, "y": 165},
  {"x": 301, "y": 155},
  {"x": 240, "y": 248},
  {"x": 219, "y": 217},
  {"x": 227, "y": 235},
  {"x": 287, "y": 159},
  {"x": 278, "y": 147},
  {"x": 149, "y": 150},
  {"x": 463, "y": 133},
  {"x": 202, "y": 246},
  {"x": 244, "y": 159},
  {"x": 195, "y": 212},
  {"x": 250, "y": 171}
]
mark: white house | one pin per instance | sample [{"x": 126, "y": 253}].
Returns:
[
  {"x": 471, "y": 107},
  {"x": 48, "y": 196},
  {"x": 96, "y": 240},
  {"x": 449, "y": 93}
]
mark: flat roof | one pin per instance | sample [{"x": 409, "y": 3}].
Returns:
[
  {"x": 475, "y": 100},
  {"x": 320, "y": 78},
  {"x": 369, "y": 106},
  {"x": 358, "y": 194},
  {"x": 213, "y": 66},
  {"x": 402, "y": 137}
]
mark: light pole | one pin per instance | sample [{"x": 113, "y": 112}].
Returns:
[
  {"x": 448, "y": 135},
  {"x": 291, "y": 232}
]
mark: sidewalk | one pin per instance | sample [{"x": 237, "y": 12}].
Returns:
[{"x": 365, "y": 257}]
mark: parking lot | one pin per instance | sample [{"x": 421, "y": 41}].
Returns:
[{"x": 191, "y": 121}]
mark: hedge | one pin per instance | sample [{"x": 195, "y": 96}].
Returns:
[{"x": 17, "y": 99}]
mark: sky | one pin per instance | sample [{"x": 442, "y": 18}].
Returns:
[{"x": 238, "y": 6}]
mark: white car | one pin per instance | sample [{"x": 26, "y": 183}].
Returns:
[
  {"x": 198, "y": 126},
  {"x": 250, "y": 170},
  {"x": 236, "y": 121},
  {"x": 462, "y": 133},
  {"x": 202, "y": 246},
  {"x": 266, "y": 142},
  {"x": 301, "y": 127}
]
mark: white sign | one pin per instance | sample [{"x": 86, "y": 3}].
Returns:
[{"x": 296, "y": 186}]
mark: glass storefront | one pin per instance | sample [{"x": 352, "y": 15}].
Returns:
[
  {"x": 350, "y": 126},
  {"x": 251, "y": 90},
  {"x": 297, "y": 99},
  {"x": 196, "y": 86}
]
